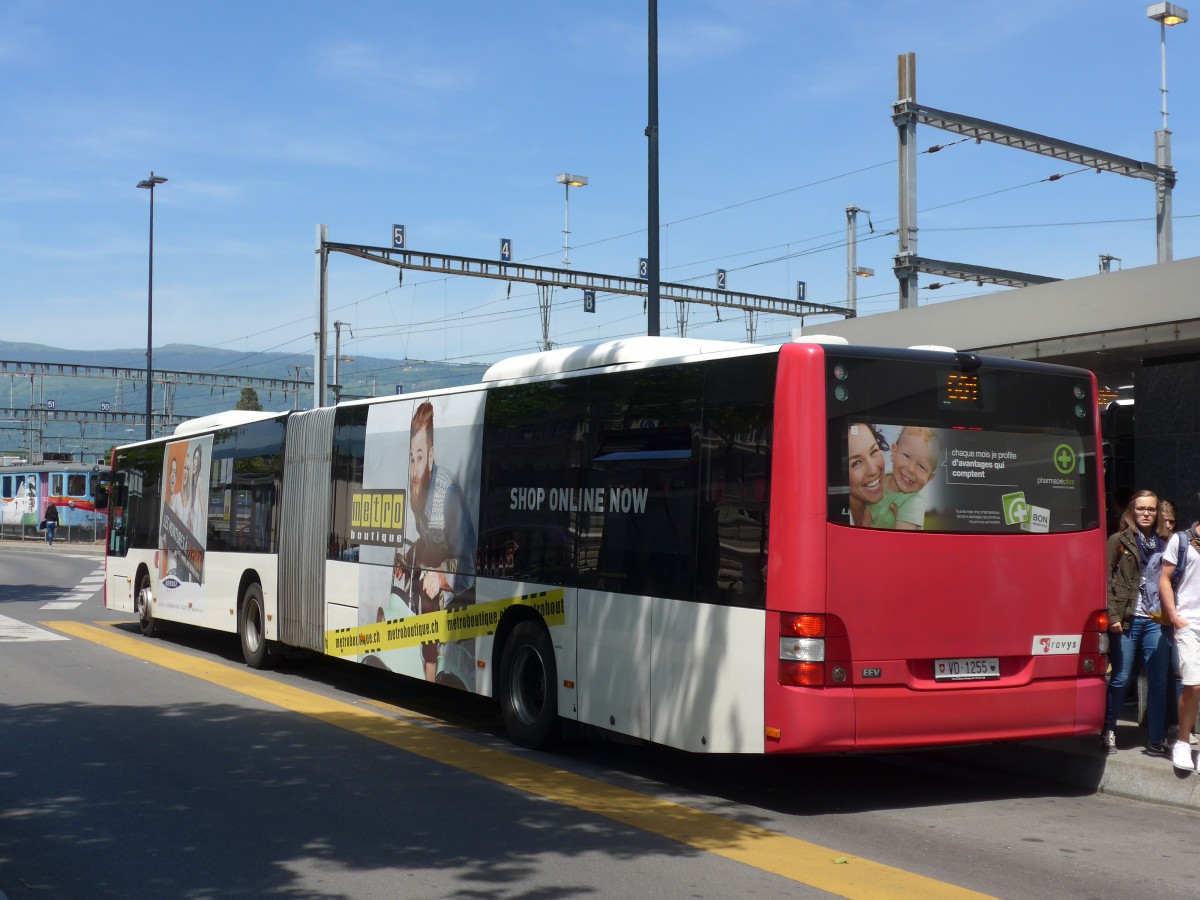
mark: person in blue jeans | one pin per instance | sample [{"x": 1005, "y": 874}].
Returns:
[
  {"x": 51, "y": 522},
  {"x": 1167, "y": 517},
  {"x": 1135, "y": 617}
]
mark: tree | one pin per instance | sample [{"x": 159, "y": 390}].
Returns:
[{"x": 249, "y": 400}]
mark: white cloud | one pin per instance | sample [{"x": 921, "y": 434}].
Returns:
[{"x": 393, "y": 69}]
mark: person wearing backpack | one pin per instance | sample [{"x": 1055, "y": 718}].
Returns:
[
  {"x": 1135, "y": 616},
  {"x": 1167, "y": 517},
  {"x": 1179, "y": 589}
]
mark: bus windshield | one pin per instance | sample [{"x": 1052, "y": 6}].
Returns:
[{"x": 960, "y": 447}]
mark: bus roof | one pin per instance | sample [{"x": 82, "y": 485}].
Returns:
[
  {"x": 224, "y": 419},
  {"x": 606, "y": 353}
]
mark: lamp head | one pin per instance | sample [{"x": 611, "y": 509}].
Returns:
[
  {"x": 571, "y": 180},
  {"x": 1167, "y": 13},
  {"x": 150, "y": 182}
]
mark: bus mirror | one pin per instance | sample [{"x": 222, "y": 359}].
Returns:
[{"x": 101, "y": 497}]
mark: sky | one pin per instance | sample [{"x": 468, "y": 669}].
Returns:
[{"x": 453, "y": 119}]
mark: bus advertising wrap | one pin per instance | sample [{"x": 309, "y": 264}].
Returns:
[
  {"x": 415, "y": 522},
  {"x": 183, "y": 524},
  {"x": 910, "y": 477}
]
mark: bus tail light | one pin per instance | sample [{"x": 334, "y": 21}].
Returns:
[
  {"x": 802, "y": 650},
  {"x": 1093, "y": 648}
]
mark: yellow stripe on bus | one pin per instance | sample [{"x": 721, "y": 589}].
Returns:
[
  {"x": 459, "y": 624},
  {"x": 821, "y": 867}
]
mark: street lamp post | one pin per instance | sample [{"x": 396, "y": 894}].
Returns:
[
  {"x": 652, "y": 267},
  {"x": 568, "y": 181},
  {"x": 148, "y": 184},
  {"x": 1165, "y": 14}
]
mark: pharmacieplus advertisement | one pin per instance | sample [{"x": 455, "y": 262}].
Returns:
[{"x": 912, "y": 477}]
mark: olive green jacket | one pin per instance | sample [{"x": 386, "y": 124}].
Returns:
[{"x": 1124, "y": 577}]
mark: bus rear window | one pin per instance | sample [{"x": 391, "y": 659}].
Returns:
[{"x": 916, "y": 444}]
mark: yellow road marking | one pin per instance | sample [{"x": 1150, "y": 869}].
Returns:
[{"x": 829, "y": 870}]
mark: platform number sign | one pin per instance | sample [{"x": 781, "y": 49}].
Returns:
[
  {"x": 589, "y": 301},
  {"x": 720, "y": 279},
  {"x": 505, "y": 250},
  {"x": 801, "y": 291},
  {"x": 643, "y": 267},
  {"x": 397, "y": 237}
]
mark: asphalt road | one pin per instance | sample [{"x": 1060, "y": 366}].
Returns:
[{"x": 132, "y": 767}]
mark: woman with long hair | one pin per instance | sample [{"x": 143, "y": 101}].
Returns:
[
  {"x": 866, "y": 470},
  {"x": 1135, "y": 616}
]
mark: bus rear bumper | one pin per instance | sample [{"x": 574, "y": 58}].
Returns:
[{"x": 893, "y": 717}]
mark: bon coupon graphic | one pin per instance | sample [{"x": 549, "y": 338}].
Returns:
[{"x": 1035, "y": 519}]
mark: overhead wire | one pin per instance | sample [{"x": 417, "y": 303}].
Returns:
[{"x": 457, "y": 319}]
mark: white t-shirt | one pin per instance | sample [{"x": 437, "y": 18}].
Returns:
[{"x": 1187, "y": 594}]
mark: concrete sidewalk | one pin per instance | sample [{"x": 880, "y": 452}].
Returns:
[
  {"x": 1083, "y": 764},
  {"x": 62, "y": 545}
]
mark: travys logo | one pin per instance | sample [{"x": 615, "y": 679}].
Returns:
[
  {"x": 1055, "y": 644},
  {"x": 1016, "y": 511}
]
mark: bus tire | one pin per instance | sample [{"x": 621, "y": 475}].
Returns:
[
  {"x": 252, "y": 633},
  {"x": 528, "y": 689},
  {"x": 142, "y": 603}
]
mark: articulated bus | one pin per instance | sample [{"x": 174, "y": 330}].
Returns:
[{"x": 810, "y": 548}]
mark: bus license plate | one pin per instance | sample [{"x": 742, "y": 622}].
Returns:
[{"x": 966, "y": 668}]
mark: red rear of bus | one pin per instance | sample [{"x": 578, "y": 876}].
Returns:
[{"x": 983, "y": 623}]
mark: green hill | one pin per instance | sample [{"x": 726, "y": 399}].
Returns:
[{"x": 79, "y": 389}]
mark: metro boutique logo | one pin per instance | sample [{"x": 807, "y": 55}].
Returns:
[{"x": 377, "y": 517}]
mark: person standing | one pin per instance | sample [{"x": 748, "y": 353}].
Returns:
[
  {"x": 1166, "y": 530},
  {"x": 1134, "y": 616},
  {"x": 51, "y": 519},
  {"x": 1181, "y": 605}
]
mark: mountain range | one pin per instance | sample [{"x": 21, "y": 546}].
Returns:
[{"x": 31, "y": 387}]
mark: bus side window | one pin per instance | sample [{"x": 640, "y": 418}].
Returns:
[
  {"x": 532, "y": 440},
  {"x": 735, "y": 490},
  {"x": 116, "y": 496},
  {"x": 643, "y": 431}
]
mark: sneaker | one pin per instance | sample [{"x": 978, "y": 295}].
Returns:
[
  {"x": 1157, "y": 749},
  {"x": 1181, "y": 756},
  {"x": 1108, "y": 740}
]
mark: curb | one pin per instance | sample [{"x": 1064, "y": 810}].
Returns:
[{"x": 1081, "y": 764}]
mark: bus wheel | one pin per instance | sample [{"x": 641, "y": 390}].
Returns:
[
  {"x": 528, "y": 688},
  {"x": 252, "y": 628},
  {"x": 141, "y": 605}
]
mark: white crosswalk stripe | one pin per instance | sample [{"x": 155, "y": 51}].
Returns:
[
  {"x": 12, "y": 631},
  {"x": 72, "y": 599},
  {"x": 85, "y": 590}
]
